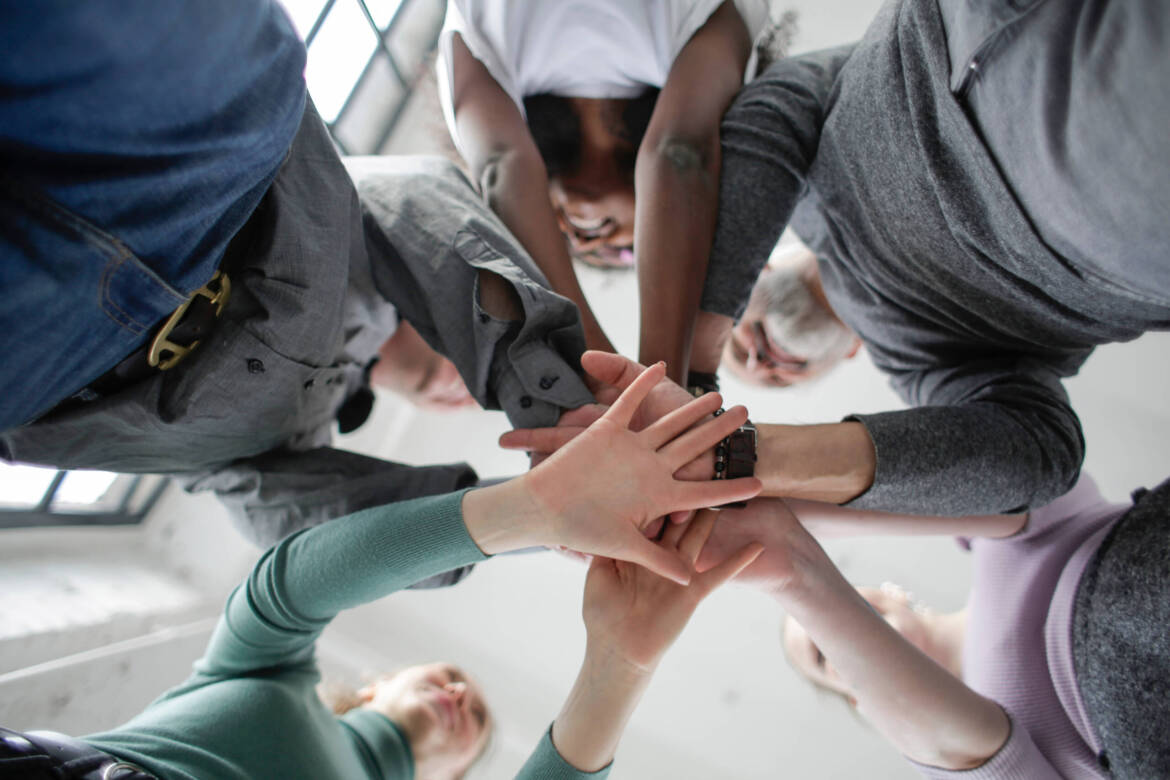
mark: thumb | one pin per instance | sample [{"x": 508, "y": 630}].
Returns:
[
  {"x": 730, "y": 567},
  {"x": 538, "y": 439},
  {"x": 665, "y": 563}
]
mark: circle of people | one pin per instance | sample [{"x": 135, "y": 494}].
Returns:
[{"x": 967, "y": 210}]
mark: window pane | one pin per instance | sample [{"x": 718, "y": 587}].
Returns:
[
  {"x": 303, "y": 13},
  {"x": 93, "y": 490},
  {"x": 338, "y": 55},
  {"x": 23, "y": 486},
  {"x": 382, "y": 11}
]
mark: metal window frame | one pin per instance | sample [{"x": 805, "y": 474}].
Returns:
[
  {"x": 383, "y": 48},
  {"x": 45, "y": 515}
]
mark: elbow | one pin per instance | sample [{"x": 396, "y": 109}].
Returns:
[{"x": 682, "y": 155}]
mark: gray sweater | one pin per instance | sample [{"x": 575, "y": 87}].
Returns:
[{"x": 937, "y": 203}]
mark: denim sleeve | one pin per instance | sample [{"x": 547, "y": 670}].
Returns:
[
  {"x": 429, "y": 236},
  {"x": 769, "y": 138}
]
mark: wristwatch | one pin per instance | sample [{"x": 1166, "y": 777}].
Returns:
[{"x": 741, "y": 452}]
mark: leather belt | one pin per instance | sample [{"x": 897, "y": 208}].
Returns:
[{"x": 28, "y": 753}]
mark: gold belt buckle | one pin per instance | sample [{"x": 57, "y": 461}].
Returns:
[{"x": 162, "y": 343}]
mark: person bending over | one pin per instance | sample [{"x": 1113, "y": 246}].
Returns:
[
  {"x": 985, "y": 190},
  {"x": 250, "y": 708},
  {"x": 564, "y": 111}
]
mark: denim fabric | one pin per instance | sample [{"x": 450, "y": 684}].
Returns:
[
  {"x": 250, "y": 414},
  {"x": 136, "y": 138}
]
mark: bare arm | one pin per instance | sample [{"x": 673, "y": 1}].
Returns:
[
  {"x": 677, "y": 184},
  {"x": 924, "y": 710},
  {"x": 512, "y": 178}
]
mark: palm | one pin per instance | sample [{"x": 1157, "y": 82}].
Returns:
[
  {"x": 640, "y": 613},
  {"x": 603, "y": 488},
  {"x": 768, "y": 522}
]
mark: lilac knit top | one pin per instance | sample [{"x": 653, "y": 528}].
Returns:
[{"x": 1018, "y": 646}]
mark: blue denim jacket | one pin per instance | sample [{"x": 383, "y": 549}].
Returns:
[{"x": 136, "y": 138}]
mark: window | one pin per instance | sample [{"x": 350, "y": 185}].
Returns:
[
  {"x": 33, "y": 496},
  {"x": 365, "y": 59}
]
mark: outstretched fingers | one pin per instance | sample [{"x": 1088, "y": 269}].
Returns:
[
  {"x": 674, "y": 423},
  {"x": 716, "y": 492},
  {"x": 627, "y": 404},
  {"x": 696, "y": 441},
  {"x": 728, "y": 568},
  {"x": 695, "y": 537},
  {"x": 611, "y": 369},
  {"x": 543, "y": 440}
]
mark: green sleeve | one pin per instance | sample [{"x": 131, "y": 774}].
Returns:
[
  {"x": 274, "y": 618},
  {"x": 546, "y": 763}
]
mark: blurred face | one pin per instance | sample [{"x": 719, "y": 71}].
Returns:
[
  {"x": 788, "y": 333},
  {"x": 892, "y": 603},
  {"x": 595, "y": 211},
  {"x": 441, "y": 711}
]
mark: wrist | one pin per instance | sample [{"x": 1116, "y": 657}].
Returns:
[
  {"x": 833, "y": 462},
  {"x": 504, "y": 517},
  {"x": 606, "y": 659}
]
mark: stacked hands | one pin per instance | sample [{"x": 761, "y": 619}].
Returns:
[{"x": 608, "y": 476}]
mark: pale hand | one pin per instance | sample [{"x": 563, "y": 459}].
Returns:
[
  {"x": 791, "y": 556},
  {"x": 601, "y": 492},
  {"x": 611, "y": 375},
  {"x": 635, "y": 614}
]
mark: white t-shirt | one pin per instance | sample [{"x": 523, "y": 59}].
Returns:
[{"x": 577, "y": 48}]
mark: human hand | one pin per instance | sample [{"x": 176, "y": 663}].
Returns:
[
  {"x": 634, "y": 613},
  {"x": 601, "y": 491},
  {"x": 791, "y": 559},
  {"x": 612, "y": 374}
]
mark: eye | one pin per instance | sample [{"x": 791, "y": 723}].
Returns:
[{"x": 480, "y": 714}]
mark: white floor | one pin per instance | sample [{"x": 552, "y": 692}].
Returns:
[{"x": 724, "y": 704}]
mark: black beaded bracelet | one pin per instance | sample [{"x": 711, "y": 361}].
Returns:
[{"x": 721, "y": 450}]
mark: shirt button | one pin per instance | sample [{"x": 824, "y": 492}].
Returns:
[
  {"x": 546, "y": 382},
  {"x": 525, "y": 401},
  {"x": 255, "y": 366}
]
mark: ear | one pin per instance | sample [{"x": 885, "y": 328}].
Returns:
[{"x": 853, "y": 350}]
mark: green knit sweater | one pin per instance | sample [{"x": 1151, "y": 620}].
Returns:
[{"x": 250, "y": 709}]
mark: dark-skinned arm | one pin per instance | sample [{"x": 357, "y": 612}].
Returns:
[
  {"x": 677, "y": 185},
  {"x": 512, "y": 178}
]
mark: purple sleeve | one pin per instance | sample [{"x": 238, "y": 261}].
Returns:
[{"x": 1017, "y": 759}]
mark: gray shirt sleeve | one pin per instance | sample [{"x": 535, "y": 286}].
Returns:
[
  {"x": 430, "y": 236},
  {"x": 769, "y": 138},
  {"x": 279, "y": 492},
  {"x": 988, "y": 436}
]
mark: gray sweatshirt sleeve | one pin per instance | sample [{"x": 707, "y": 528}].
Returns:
[
  {"x": 989, "y": 436},
  {"x": 769, "y": 138}
]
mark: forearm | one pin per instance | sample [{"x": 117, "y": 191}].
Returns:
[
  {"x": 825, "y": 520},
  {"x": 677, "y": 186},
  {"x": 926, "y": 712},
  {"x": 833, "y": 462},
  {"x": 299, "y": 585},
  {"x": 590, "y": 725},
  {"x": 515, "y": 186}
]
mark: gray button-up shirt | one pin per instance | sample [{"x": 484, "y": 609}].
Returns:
[{"x": 250, "y": 413}]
